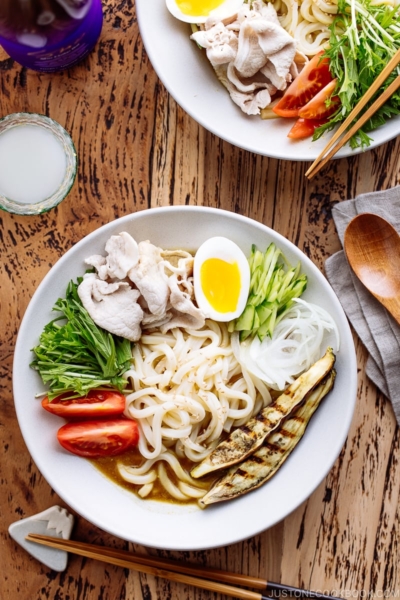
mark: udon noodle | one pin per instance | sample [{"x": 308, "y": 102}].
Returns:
[
  {"x": 308, "y": 21},
  {"x": 189, "y": 389}
]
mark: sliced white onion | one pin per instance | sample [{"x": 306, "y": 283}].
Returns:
[{"x": 296, "y": 344}]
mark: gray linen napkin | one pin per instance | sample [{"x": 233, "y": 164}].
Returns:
[{"x": 376, "y": 328}]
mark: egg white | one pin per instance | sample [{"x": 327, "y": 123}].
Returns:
[
  {"x": 226, "y": 9},
  {"x": 224, "y": 249}
]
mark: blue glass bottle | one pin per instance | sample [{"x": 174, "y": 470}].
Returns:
[{"x": 49, "y": 35}]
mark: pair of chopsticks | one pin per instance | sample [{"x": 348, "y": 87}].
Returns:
[
  {"x": 222, "y": 582},
  {"x": 331, "y": 149}
]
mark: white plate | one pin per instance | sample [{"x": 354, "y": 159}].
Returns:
[
  {"x": 155, "y": 524},
  {"x": 186, "y": 73}
]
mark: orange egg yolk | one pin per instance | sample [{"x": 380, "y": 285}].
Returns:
[
  {"x": 220, "y": 282},
  {"x": 198, "y": 8}
]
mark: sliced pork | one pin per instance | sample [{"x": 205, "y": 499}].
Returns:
[{"x": 252, "y": 55}]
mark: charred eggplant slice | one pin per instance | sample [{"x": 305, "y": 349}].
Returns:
[
  {"x": 246, "y": 439},
  {"x": 264, "y": 463}
]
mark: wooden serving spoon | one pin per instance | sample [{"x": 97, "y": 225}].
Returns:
[{"x": 372, "y": 247}]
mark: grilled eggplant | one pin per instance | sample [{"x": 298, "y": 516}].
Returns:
[
  {"x": 264, "y": 462},
  {"x": 246, "y": 439}
]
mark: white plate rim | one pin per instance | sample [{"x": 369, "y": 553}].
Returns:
[{"x": 227, "y": 537}]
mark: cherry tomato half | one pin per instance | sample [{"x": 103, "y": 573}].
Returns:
[
  {"x": 317, "y": 107},
  {"x": 314, "y": 76},
  {"x": 98, "y": 403},
  {"x": 93, "y": 439},
  {"x": 304, "y": 128}
]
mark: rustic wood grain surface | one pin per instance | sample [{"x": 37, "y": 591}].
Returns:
[{"x": 138, "y": 150}]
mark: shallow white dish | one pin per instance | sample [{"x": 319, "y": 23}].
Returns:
[
  {"x": 186, "y": 73},
  {"x": 155, "y": 524}
]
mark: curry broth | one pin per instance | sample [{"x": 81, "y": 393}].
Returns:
[{"x": 108, "y": 466}]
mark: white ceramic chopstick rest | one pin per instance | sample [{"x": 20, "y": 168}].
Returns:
[{"x": 54, "y": 521}]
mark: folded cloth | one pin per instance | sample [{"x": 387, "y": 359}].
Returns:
[{"x": 376, "y": 328}]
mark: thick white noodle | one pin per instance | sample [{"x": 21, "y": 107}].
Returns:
[
  {"x": 307, "y": 21},
  {"x": 189, "y": 388},
  {"x": 311, "y": 37}
]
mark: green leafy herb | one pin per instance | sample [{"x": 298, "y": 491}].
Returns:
[
  {"x": 273, "y": 285},
  {"x": 74, "y": 355},
  {"x": 363, "y": 39}
]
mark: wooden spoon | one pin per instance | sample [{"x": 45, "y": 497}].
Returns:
[{"x": 372, "y": 248}]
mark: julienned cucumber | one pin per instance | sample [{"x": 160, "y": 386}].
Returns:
[{"x": 273, "y": 285}]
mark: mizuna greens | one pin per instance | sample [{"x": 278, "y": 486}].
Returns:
[
  {"x": 363, "y": 39},
  {"x": 74, "y": 355}
]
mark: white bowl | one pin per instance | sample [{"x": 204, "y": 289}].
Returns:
[
  {"x": 156, "y": 524},
  {"x": 188, "y": 76}
]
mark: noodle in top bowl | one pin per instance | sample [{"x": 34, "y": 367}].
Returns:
[{"x": 166, "y": 525}]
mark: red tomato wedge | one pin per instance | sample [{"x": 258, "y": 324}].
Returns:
[
  {"x": 317, "y": 107},
  {"x": 93, "y": 439},
  {"x": 314, "y": 76},
  {"x": 304, "y": 128},
  {"x": 98, "y": 403}
]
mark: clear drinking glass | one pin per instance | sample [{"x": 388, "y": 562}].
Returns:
[{"x": 61, "y": 186}]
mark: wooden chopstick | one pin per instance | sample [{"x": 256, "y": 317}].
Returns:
[
  {"x": 124, "y": 559},
  {"x": 372, "y": 109},
  {"x": 223, "y": 576},
  {"x": 215, "y": 580},
  {"x": 392, "y": 64}
]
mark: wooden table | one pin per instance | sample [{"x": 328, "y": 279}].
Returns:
[{"x": 138, "y": 150}]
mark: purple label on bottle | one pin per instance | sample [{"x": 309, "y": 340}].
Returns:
[{"x": 56, "y": 44}]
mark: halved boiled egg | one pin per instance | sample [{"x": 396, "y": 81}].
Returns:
[
  {"x": 197, "y": 11},
  {"x": 221, "y": 276}
]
